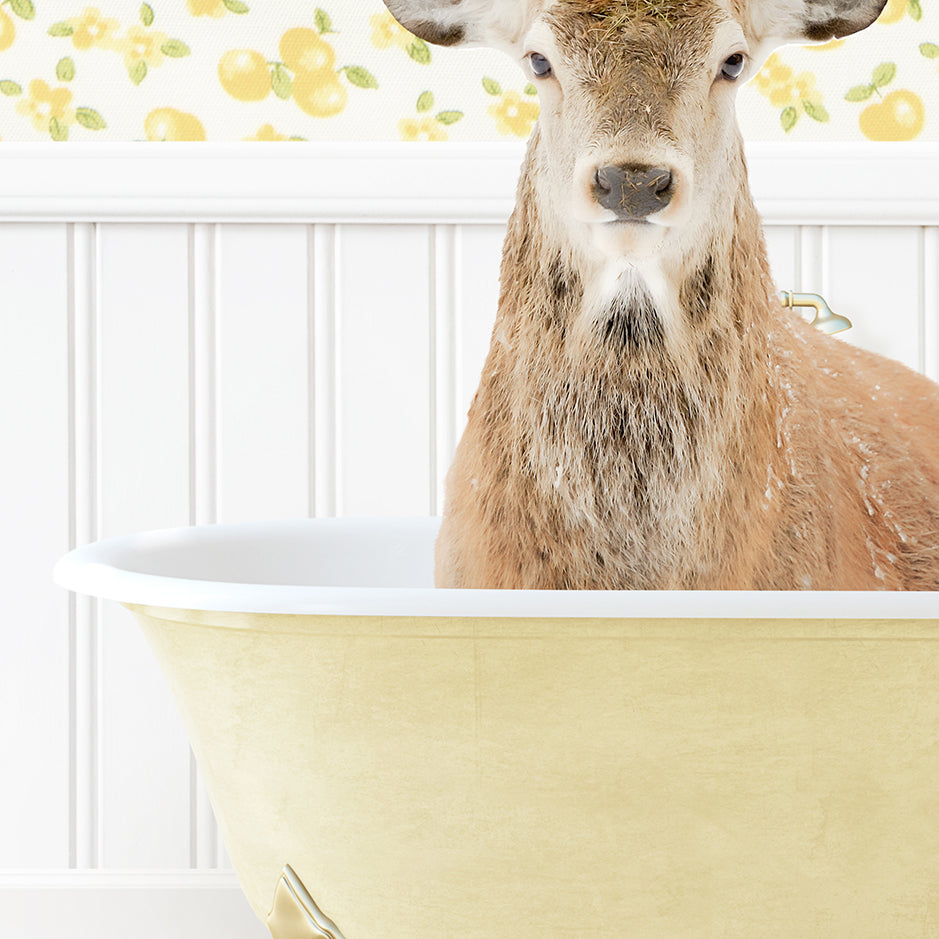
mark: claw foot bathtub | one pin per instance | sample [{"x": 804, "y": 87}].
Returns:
[{"x": 386, "y": 759}]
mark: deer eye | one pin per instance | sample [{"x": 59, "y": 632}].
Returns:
[
  {"x": 540, "y": 66},
  {"x": 733, "y": 66}
]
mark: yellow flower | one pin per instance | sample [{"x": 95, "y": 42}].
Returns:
[
  {"x": 387, "y": 32},
  {"x": 421, "y": 128},
  {"x": 773, "y": 73},
  {"x": 142, "y": 45},
  {"x": 214, "y": 8},
  {"x": 45, "y": 104},
  {"x": 92, "y": 29},
  {"x": 826, "y": 46},
  {"x": 514, "y": 115},
  {"x": 267, "y": 132}
]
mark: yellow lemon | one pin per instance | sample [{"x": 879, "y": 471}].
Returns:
[
  {"x": 7, "y": 31},
  {"x": 319, "y": 94},
  {"x": 170, "y": 124},
  {"x": 244, "y": 74},
  {"x": 900, "y": 116},
  {"x": 303, "y": 50},
  {"x": 893, "y": 11}
]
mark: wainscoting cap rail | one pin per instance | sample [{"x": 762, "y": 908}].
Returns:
[{"x": 828, "y": 184}]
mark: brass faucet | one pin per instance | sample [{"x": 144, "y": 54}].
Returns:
[{"x": 825, "y": 320}]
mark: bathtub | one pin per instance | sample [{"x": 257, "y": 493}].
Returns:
[{"x": 390, "y": 760}]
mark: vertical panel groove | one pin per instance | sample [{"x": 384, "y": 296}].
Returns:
[
  {"x": 203, "y": 461},
  {"x": 84, "y": 527},
  {"x": 931, "y": 302},
  {"x": 326, "y": 494},
  {"x": 311, "y": 463},
  {"x": 72, "y": 543}
]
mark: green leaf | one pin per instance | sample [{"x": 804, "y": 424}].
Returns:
[
  {"x": 175, "y": 48},
  {"x": 90, "y": 119},
  {"x": 930, "y": 50},
  {"x": 65, "y": 70},
  {"x": 146, "y": 14},
  {"x": 492, "y": 87},
  {"x": 137, "y": 72},
  {"x": 859, "y": 93},
  {"x": 323, "y": 22},
  {"x": 530, "y": 89},
  {"x": 281, "y": 82},
  {"x": 10, "y": 89},
  {"x": 360, "y": 77},
  {"x": 883, "y": 74},
  {"x": 61, "y": 29},
  {"x": 425, "y": 102},
  {"x": 816, "y": 111},
  {"x": 58, "y": 131},
  {"x": 235, "y": 6},
  {"x": 419, "y": 51},
  {"x": 915, "y": 10},
  {"x": 25, "y": 10},
  {"x": 788, "y": 118},
  {"x": 450, "y": 117}
]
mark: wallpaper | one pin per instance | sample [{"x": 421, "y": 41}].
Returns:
[{"x": 226, "y": 70}]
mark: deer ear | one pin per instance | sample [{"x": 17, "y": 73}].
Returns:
[
  {"x": 812, "y": 20},
  {"x": 458, "y": 22}
]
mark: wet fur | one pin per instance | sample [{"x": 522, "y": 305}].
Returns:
[
  {"x": 669, "y": 425},
  {"x": 775, "y": 462}
]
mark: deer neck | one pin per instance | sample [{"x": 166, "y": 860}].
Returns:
[{"x": 633, "y": 386}]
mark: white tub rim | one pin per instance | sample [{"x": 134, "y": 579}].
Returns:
[{"x": 116, "y": 569}]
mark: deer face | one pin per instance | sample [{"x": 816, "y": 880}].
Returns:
[{"x": 635, "y": 147}]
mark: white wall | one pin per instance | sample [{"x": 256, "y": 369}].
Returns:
[{"x": 219, "y": 334}]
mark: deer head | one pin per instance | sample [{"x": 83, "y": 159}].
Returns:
[{"x": 637, "y": 149}]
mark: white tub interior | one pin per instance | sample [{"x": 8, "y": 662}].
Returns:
[{"x": 384, "y": 566}]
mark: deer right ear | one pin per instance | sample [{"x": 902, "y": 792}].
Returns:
[
  {"x": 811, "y": 20},
  {"x": 461, "y": 22}
]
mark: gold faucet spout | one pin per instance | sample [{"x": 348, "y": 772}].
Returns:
[{"x": 825, "y": 319}]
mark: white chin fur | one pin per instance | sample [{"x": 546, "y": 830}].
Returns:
[{"x": 628, "y": 240}]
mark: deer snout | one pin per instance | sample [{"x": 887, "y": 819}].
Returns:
[{"x": 633, "y": 192}]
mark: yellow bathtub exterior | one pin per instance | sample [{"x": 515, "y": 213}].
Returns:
[{"x": 447, "y": 778}]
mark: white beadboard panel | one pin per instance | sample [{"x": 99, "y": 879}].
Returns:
[
  {"x": 930, "y": 300},
  {"x": 384, "y": 370},
  {"x": 262, "y": 358},
  {"x": 34, "y": 531},
  {"x": 782, "y": 243},
  {"x": 84, "y": 524},
  {"x": 144, "y": 482},
  {"x": 873, "y": 276},
  {"x": 478, "y": 301},
  {"x": 322, "y": 269},
  {"x": 142, "y": 905}
]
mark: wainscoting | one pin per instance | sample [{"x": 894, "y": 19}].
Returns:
[{"x": 201, "y": 333}]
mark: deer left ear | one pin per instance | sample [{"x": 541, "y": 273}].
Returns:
[
  {"x": 462, "y": 22},
  {"x": 811, "y": 20}
]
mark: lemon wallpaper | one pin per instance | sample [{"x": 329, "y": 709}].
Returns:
[{"x": 344, "y": 70}]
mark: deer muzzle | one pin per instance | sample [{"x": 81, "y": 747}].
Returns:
[{"x": 633, "y": 192}]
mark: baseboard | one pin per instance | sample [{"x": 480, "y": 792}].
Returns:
[{"x": 119, "y": 905}]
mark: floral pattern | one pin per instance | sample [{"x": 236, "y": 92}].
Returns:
[{"x": 298, "y": 70}]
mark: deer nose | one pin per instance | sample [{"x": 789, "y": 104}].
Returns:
[{"x": 633, "y": 191}]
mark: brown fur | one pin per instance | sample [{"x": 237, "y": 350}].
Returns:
[{"x": 716, "y": 441}]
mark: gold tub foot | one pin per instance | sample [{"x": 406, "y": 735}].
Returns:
[{"x": 294, "y": 915}]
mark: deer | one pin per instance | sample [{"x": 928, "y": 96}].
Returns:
[{"x": 648, "y": 415}]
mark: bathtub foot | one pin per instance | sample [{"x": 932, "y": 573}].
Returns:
[{"x": 295, "y": 915}]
